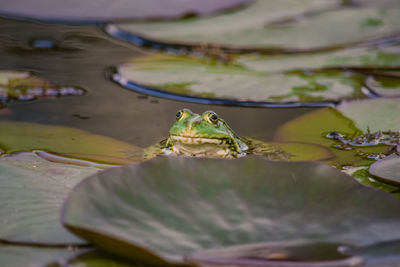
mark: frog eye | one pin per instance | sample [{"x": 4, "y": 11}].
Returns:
[
  {"x": 183, "y": 113},
  {"x": 179, "y": 115},
  {"x": 213, "y": 117}
]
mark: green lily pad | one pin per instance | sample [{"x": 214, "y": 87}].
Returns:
[
  {"x": 197, "y": 78},
  {"x": 32, "y": 190},
  {"x": 89, "y": 11},
  {"x": 273, "y": 26},
  {"x": 23, "y": 86},
  {"x": 383, "y": 60},
  {"x": 374, "y": 114},
  {"x": 169, "y": 209},
  {"x": 67, "y": 142},
  {"x": 387, "y": 169}
]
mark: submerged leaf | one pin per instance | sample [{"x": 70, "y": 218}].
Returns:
[
  {"x": 290, "y": 151},
  {"x": 22, "y": 86},
  {"x": 67, "y": 142},
  {"x": 168, "y": 208},
  {"x": 274, "y": 25},
  {"x": 31, "y": 192}
]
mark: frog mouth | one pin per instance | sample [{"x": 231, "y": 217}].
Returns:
[{"x": 196, "y": 140}]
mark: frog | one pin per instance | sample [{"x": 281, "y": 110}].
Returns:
[{"x": 208, "y": 135}]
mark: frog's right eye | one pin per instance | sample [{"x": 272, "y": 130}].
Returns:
[{"x": 179, "y": 115}]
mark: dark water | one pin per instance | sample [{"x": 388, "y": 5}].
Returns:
[{"x": 79, "y": 56}]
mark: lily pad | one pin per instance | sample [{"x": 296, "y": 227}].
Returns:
[
  {"x": 272, "y": 26},
  {"x": 204, "y": 81},
  {"x": 374, "y": 114},
  {"x": 387, "y": 169},
  {"x": 314, "y": 128},
  {"x": 32, "y": 190},
  {"x": 169, "y": 209},
  {"x": 384, "y": 60},
  {"x": 23, "y": 86},
  {"x": 89, "y": 11},
  {"x": 67, "y": 142}
]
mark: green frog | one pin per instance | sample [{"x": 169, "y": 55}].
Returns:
[{"x": 208, "y": 135}]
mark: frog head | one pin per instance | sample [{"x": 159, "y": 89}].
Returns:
[{"x": 205, "y": 135}]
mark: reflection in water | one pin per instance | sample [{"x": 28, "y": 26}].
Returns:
[{"x": 23, "y": 86}]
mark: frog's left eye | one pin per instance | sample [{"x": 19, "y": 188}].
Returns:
[{"x": 179, "y": 115}]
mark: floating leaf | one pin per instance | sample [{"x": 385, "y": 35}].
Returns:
[
  {"x": 274, "y": 26},
  {"x": 87, "y": 10},
  {"x": 374, "y": 114},
  {"x": 233, "y": 84},
  {"x": 22, "y": 86},
  {"x": 170, "y": 207},
  {"x": 32, "y": 190},
  {"x": 314, "y": 127},
  {"x": 383, "y": 60},
  {"x": 67, "y": 142},
  {"x": 387, "y": 169}
]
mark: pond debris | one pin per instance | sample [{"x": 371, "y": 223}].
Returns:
[
  {"x": 212, "y": 52},
  {"x": 24, "y": 86},
  {"x": 389, "y": 138}
]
